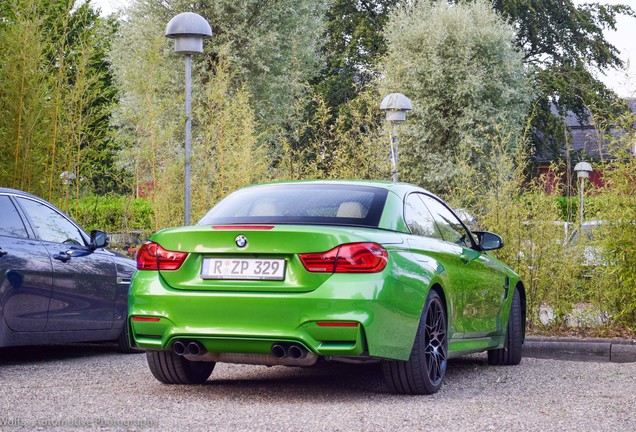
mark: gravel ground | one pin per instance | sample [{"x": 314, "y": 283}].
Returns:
[{"x": 91, "y": 387}]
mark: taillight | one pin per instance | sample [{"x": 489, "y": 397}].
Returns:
[
  {"x": 336, "y": 324},
  {"x": 146, "y": 319},
  {"x": 347, "y": 258},
  {"x": 152, "y": 256}
]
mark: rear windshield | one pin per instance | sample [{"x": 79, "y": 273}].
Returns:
[{"x": 301, "y": 204}]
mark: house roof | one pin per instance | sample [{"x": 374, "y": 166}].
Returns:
[{"x": 586, "y": 140}]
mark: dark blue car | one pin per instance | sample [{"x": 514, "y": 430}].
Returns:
[{"x": 57, "y": 283}]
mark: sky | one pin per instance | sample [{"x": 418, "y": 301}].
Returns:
[
  {"x": 110, "y": 6},
  {"x": 624, "y": 39},
  {"x": 623, "y": 82}
]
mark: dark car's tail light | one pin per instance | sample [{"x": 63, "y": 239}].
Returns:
[
  {"x": 152, "y": 256},
  {"x": 347, "y": 258}
]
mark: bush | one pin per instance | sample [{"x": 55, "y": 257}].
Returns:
[
  {"x": 113, "y": 213},
  {"x": 614, "y": 282},
  {"x": 458, "y": 64},
  {"x": 589, "y": 284}
]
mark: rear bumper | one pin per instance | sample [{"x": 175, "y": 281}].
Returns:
[{"x": 385, "y": 310}]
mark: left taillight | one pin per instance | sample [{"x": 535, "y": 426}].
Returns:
[
  {"x": 347, "y": 258},
  {"x": 152, "y": 256}
]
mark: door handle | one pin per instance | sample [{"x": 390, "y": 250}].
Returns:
[
  {"x": 62, "y": 256},
  {"x": 465, "y": 259}
]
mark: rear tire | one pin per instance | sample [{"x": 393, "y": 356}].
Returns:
[
  {"x": 424, "y": 371},
  {"x": 170, "y": 368},
  {"x": 510, "y": 354}
]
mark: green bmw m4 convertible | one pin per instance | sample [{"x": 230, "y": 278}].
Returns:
[{"x": 300, "y": 272}]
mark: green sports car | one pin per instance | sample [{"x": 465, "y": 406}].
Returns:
[{"x": 299, "y": 272}]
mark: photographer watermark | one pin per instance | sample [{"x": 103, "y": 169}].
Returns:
[{"x": 78, "y": 422}]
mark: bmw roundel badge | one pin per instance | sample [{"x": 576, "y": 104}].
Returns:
[{"x": 241, "y": 241}]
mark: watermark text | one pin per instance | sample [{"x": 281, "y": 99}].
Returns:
[{"x": 78, "y": 422}]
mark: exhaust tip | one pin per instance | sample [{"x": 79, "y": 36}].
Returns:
[
  {"x": 179, "y": 348},
  {"x": 297, "y": 352},
  {"x": 195, "y": 348},
  {"x": 279, "y": 351}
]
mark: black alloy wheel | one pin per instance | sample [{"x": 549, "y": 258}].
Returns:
[{"x": 424, "y": 371}]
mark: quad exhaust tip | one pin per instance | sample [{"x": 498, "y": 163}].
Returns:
[
  {"x": 293, "y": 351},
  {"x": 290, "y": 353},
  {"x": 196, "y": 348},
  {"x": 179, "y": 348},
  {"x": 297, "y": 352},
  {"x": 279, "y": 351},
  {"x": 184, "y": 347}
]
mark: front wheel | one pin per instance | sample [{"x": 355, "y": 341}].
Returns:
[
  {"x": 425, "y": 369},
  {"x": 170, "y": 368},
  {"x": 510, "y": 354}
]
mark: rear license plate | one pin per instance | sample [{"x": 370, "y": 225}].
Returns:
[{"x": 243, "y": 268}]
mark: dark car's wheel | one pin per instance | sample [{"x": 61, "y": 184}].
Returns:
[
  {"x": 510, "y": 354},
  {"x": 170, "y": 368},
  {"x": 123, "y": 342},
  {"x": 425, "y": 369}
]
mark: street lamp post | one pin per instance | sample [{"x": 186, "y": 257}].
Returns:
[
  {"x": 188, "y": 30},
  {"x": 583, "y": 170},
  {"x": 395, "y": 105}
]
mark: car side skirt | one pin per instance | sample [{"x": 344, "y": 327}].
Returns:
[{"x": 460, "y": 347}]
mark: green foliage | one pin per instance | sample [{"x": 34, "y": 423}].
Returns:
[
  {"x": 594, "y": 200},
  {"x": 112, "y": 213},
  {"x": 466, "y": 81},
  {"x": 614, "y": 282},
  {"x": 23, "y": 86},
  {"x": 270, "y": 51},
  {"x": 150, "y": 110},
  {"x": 55, "y": 96},
  {"x": 524, "y": 215},
  {"x": 565, "y": 44},
  {"x": 353, "y": 45},
  {"x": 590, "y": 282},
  {"x": 565, "y": 205},
  {"x": 271, "y": 46},
  {"x": 353, "y": 146},
  {"x": 228, "y": 154}
]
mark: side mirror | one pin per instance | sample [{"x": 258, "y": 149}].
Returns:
[
  {"x": 99, "y": 239},
  {"x": 489, "y": 241}
]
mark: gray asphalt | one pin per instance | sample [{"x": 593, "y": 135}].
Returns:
[{"x": 93, "y": 388}]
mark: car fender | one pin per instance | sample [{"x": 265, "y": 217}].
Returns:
[{"x": 405, "y": 303}]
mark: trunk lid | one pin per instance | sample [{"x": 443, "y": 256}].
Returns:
[{"x": 262, "y": 242}]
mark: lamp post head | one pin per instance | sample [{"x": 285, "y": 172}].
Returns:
[
  {"x": 583, "y": 169},
  {"x": 396, "y": 105},
  {"x": 188, "y": 30}
]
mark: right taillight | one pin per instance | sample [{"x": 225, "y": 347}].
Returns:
[
  {"x": 347, "y": 258},
  {"x": 152, "y": 256}
]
